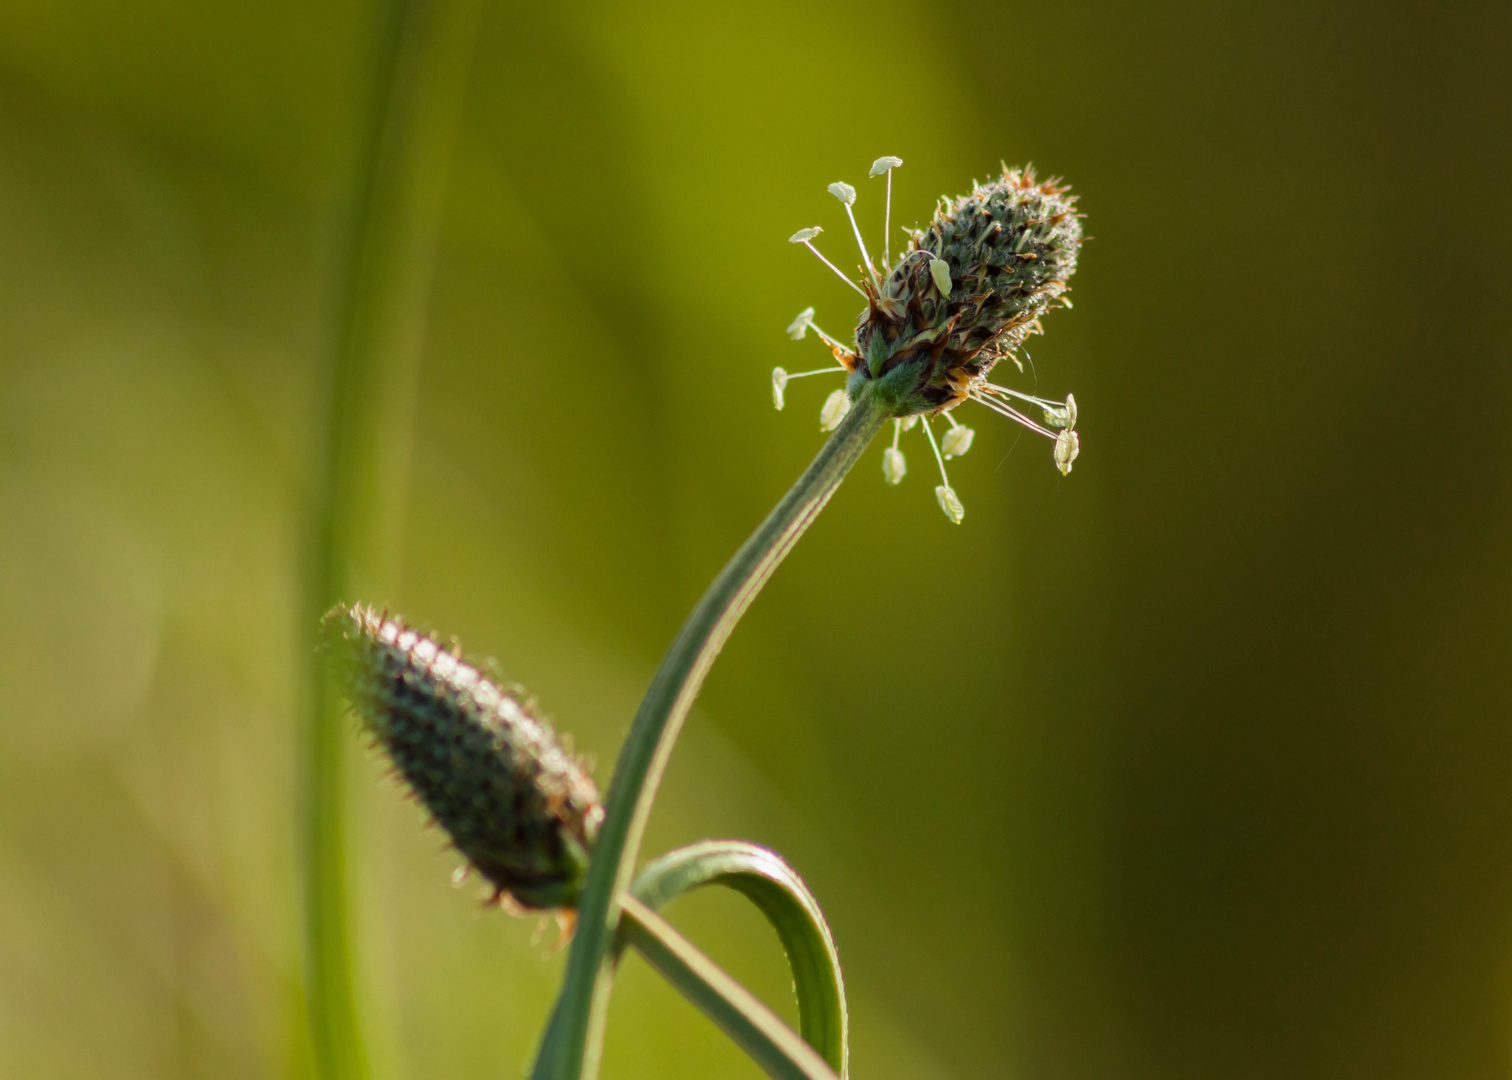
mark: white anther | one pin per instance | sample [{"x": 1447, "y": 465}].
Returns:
[
  {"x": 949, "y": 503},
  {"x": 883, "y": 164},
  {"x": 894, "y": 468},
  {"x": 940, "y": 271},
  {"x": 1061, "y": 416},
  {"x": 956, "y": 441},
  {"x": 909, "y": 422},
  {"x": 835, "y": 408},
  {"x": 800, "y": 325},
  {"x": 803, "y": 236},
  {"x": 844, "y": 192},
  {"x": 1067, "y": 446},
  {"x": 779, "y": 384}
]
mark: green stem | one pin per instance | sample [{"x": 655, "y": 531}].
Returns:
[
  {"x": 571, "y": 1048},
  {"x": 757, "y": 1030},
  {"x": 380, "y": 280}
]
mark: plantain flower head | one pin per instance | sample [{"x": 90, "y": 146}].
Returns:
[{"x": 966, "y": 292}]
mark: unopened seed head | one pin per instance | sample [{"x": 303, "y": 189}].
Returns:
[
  {"x": 493, "y": 775},
  {"x": 957, "y": 441},
  {"x": 779, "y": 384},
  {"x": 844, "y": 192},
  {"x": 949, "y": 503},
  {"x": 1067, "y": 446},
  {"x": 894, "y": 468},
  {"x": 835, "y": 408}
]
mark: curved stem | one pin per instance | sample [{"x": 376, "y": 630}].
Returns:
[
  {"x": 757, "y": 1030},
  {"x": 380, "y": 280},
  {"x": 766, "y": 879},
  {"x": 571, "y": 1049}
]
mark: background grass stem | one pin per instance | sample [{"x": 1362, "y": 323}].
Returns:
[{"x": 381, "y": 271}]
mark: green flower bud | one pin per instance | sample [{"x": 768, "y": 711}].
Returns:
[
  {"x": 969, "y": 290},
  {"x": 514, "y": 802}
]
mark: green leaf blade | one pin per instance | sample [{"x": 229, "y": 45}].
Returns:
[
  {"x": 767, "y": 880},
  {"x": 774, "y": 1046}
]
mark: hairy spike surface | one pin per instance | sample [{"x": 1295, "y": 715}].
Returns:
[
  {"x": 1007, "y": 250},
  {"x": 494, "y": 776}
]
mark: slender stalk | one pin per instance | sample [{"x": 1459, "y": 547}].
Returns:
[
  {"x": 757, "y": 1030},
  {"x": 380, "y": 279},
  {"x": 571, "y": 1048}
]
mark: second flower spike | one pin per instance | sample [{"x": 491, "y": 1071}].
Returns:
[{"x": 492, "y": 774}]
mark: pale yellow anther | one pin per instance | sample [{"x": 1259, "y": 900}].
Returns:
[
  {"x": 950, "y": 504},
  {"x": 956, "y": 441},
  {"x": 940, "y": 271},
  {"x": 1067, "y": 446},
  {"x": 835, "y": 408}
]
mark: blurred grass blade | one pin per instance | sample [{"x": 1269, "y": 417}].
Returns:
[
  {"x": 380, "y": 280},
  {"x": 775, "y": 888},
  {"x": 737, "y": 1012},
  {"x": 577, "y": 1039}
]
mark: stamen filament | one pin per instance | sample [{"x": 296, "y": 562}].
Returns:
[
  {"x": 936, "y": 448},
  {"x": 838, "y": 272},
  {"x": 897, "y": 431},
  {"x": 1041, "y": 402},
  {"x": 816, "y": 371},
  {"x": 865, "y": 257},
  {"x": 887, "y": 226},
  {"x": 1012, "y": 414}
]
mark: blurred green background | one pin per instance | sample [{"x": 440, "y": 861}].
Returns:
[{"x": 1195, "y": 763}]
